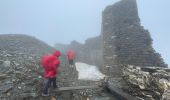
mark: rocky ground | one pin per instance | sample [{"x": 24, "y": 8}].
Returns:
[
  {"x": 21, "y": 72},
  {"x": 147, "y": 83},
  {"x": 21, "y": 76},
  {"x": 150, "y": 83},
  {"x": 21, "y": 79},
  {"x": 19, "y": 60}
]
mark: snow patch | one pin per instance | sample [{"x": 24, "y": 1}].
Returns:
[{"x": 88, "y": 72}]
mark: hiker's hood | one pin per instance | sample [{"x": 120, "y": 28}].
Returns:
[{"x": 57, "y": 53}]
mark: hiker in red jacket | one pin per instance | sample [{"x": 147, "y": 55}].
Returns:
[
  {"x": 71, "y": 55},
  {"x": 51, "y": 65}
]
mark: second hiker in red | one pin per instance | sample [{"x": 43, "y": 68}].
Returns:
[
  {"x": 51, "y": 65},
  {"x": 71, "y": 55}
]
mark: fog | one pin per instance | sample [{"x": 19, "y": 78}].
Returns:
[{"x": 62, "y": 21}]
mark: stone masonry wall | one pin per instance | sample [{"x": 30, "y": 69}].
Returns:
[
  {"x": 125, "y": 41},
  {"x": 90, "y": 52}
]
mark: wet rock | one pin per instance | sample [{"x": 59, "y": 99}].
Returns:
[
  {"x": 6, "y": 88},
  {"x": 8, "y": 94},
  {"x": 145, "y": 84},
  {"x": 19, "y": 87},
  {"x": 7, "y": 63},
  {"x": 25, "y": 95},
  {"x": 53, "y": 98},
  {"x": 2, "y": 76},
  {"x": 1, "y": 62}
]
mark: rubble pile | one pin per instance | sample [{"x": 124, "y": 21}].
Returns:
[
  {"x": 18, "y": 76},
  {"x": 20, "y": 70},
  {"x": 147, "y": 83}
]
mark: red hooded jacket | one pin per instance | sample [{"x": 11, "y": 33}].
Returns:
[
  {"x": 51, "y": 64},
  {"x": 71, "y": 55}
]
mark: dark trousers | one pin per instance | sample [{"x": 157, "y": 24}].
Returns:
[
  {"x": 71, "y": 62},
  {"x": 47, "y": 83}
]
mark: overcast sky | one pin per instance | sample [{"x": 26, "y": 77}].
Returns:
[{"x": 61, "y": 21}]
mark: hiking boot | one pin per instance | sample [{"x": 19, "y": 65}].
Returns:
[{"x": 44, "y": 95}]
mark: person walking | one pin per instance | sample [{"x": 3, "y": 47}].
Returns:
[
  {"x": 71, "y": 55},
  {"x": 50, "y": 64}
]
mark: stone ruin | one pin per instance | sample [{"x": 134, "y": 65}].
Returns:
[
  {"x": 125, "y": 41},
  {"x": 90, "y": 52},
  {"x": 129, "y": 59}
]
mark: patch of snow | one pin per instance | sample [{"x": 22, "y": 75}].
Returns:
[{"x": 88, "y": 72}]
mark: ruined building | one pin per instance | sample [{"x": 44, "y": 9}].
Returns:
[
  {"x": 125, "y": 41},
  {"x": 90, "y": 52},
  {"x": 123, "y": 38}
]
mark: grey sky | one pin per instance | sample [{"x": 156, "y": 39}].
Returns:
[{"x": 61, "y": 21}]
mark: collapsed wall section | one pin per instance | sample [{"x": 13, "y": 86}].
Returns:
[{"x": 125, "y": 41}]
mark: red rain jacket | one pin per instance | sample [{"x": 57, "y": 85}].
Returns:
[
  {"x": 51, "y": 64},
  {"x": 71, "y": 55}
]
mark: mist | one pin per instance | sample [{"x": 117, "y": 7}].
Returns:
[{"x": 118, "y": 45}]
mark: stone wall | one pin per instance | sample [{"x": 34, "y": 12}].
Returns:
[
  {"x": 125, "y": 41},
  {"x": 90, "y": 52}
]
